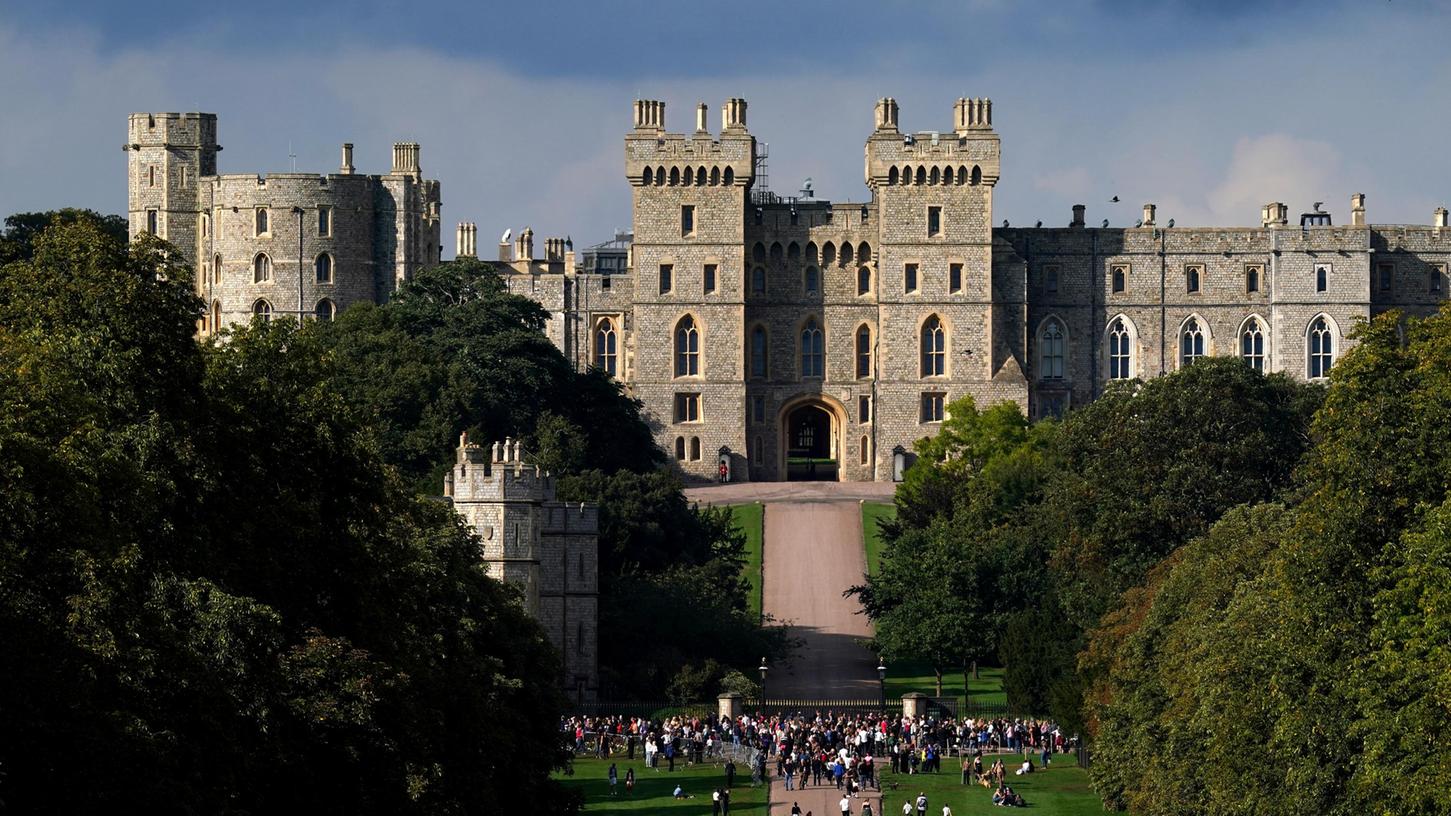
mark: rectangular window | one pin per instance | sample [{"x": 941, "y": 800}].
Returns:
[
  {"x": 261, "y": 222},
  {"x": 183, "y": 177},
  {"x": 934, "y": 222},
  {"x": 710, "y": 279},
  {"x": 932, "y": 406},
  {"x": 605, "y": 282},
  {"x": 687, "y": 407},
  {"x": 1438, "y": 272},
  {"x": 1120, "y": 276},
  {"x": 667, "y": 276},
  {"x": 1253, "y": 273},
  {"x": 954, "y": 278},
  {"x": 909, "y": 278},
  {"x": 1193, "y": 275},
  {"x": 1387, "y": 274},
  {"x": 1050, "y": 278},
  {"x": 1322, "y": 277},
  {"x": 687, "y": 219},
  {"x": 758, "y": 409},
  {"x": 863, "y": 409},
  {"x": 324, "y": 222},
  {"x": 151, "y": 218}
]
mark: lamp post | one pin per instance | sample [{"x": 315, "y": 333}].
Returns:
[
  {"x": 297, "y": 211},
  {"x": 882, "y": 680},
  {"x": 763, "y": 669}
]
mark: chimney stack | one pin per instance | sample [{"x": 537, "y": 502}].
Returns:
[
  {"x": 468, "y": 240},
  {"x": 972, "y": 114},
  {"x": 405, "y": 157},
  {"x": 347, "y": 158},
  {"x": 1357, "y": 210},
  {"x": 1149, "y": 210},
  {"x": 886, "y": 114},
  {"x": 1274, "y": 213},
  {"x": 1440, "y": 218},
  {"x": 733, "y": 115},
  {"x": 701, "y": 112},
  {"x": 1078, "y": 211},
  {"x": 649, "y": 114}
]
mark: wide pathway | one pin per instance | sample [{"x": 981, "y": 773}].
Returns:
[{"x": 744, "y": 492}]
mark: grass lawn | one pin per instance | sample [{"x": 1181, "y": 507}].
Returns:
[
  {"x": 1062, "y": 790},
  {"x": 654, "y": 790},
  {"x": 872, "y": 512},
  {"x": 749, "y": 517},
  {"x": 909, "y": 676}
]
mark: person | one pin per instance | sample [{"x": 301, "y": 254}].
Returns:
[
  {"x": 966, "y": 769},
  {"x": 845, "y": 805},
  {"x": 922, "y": 803},
  {"x": 946, "y": 811},
  {"x": 1026, "y": 769},
  {"x": 907, "y": 808},
  {"x": 795, "y": 809},
  {"x": 715, "y": 802},
  {"x": 867, "y": 809},
  {"x": 725, "y": 802},
  {"x": 630, "y": 744},
  {"x": 629, "y": 781},
  {"x": 614, "y": 780},
  {"x": 679, "y": 791},
  {"x": 730, "y": 769},
  {"x": 670, "y": 753}
]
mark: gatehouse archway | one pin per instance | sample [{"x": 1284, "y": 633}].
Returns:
[{"x": 811, "y": 440}]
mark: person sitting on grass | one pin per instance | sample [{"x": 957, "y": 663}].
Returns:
[
  {"x": 1027, "y": 768},
  {"x": 679, "y": 791}
]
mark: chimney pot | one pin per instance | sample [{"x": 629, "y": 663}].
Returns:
[{"x": 1078, "y": 215}]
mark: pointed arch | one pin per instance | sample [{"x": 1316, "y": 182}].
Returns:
[
  {"x": 962, "y": 174},
  {"x": 674, "y": 176},
  {"x": 863, "y": 349},
  {"x": 1253, "y": 336},
  {"x": 811, "y": 253},
  {"x": 935, "y": 177},
  {"x": 700, "y": 177},
  {"x": 813, "y": 348},
  {"x": 325, "y": 310},
  {"x": 606, "y": 346},
  {"x": 1120, "y": 348},
  {"x": 660, "y": 176},
  {"x": 730, "y": 176},
  {"x": 846, "y": 252},
  {"x": 216, "y": 316},
  {"x": 687, "y": 347},
  {"x": 932, "y": 347},
  {"x": 261, "y": 268},
  {"x": 812, "y": 280},
  {"x": 758, "y": 252},
  {"x": 947, "y": 175},
  {"x": 828, "y": 254},
  {"x": 715, "y": 175},
  {"x": 864, "y": 252},
  {"x": 976, "y": 175},
  {"x": 777, "y": 251},
  {"x": 687, "y": 177},
  {"x": 921, "y": 175},
  {"x": 863, "y": 281},
  {"x": 793, "y": 251},
  {"x": 680, "y": 448},
  {"x": 262, "y": 309},
  {"x": 217, "y": 269},
  {"x": 892, "y": 175},
  {"x": 649, "y": 178},
  {"x": 1322, "y": 343},
  {"x": 1196, "y": 340},
  {"x": 1052, "y": 343},
  {"x": 907, "y": 174}
]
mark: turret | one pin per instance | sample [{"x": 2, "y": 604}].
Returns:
[{"x": 167, "y": 154}]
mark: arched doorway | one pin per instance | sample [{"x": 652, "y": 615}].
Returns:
[{"x": 811, "y": 445}]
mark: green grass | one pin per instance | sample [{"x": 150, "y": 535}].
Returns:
[
  {"x": 908, "y": 676},
  {"x": 1061, "y": 790},
  {"x": 750, "y": 518},
  {"x": 654, "y": 789},
  {"x": 872, "y": 512}
]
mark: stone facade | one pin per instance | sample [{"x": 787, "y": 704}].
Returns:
[
  {"x": 281, "y": 243},
  {"x": 919, "y": 299},
  {"x": 545, "y": 548}
]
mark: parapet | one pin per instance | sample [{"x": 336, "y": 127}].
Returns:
[{"x": 496, "y": 473}]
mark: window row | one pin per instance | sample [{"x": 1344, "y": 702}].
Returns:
[
  {"x": 1194, "y": 278},
  {"x": 1386, "y": 278},
  {"x": 325, "y": 310},
  {"x": 1193, "y": 343},
  {"x": 830, "y": 253},
  {"x": 262, "y": 222},
  {"x": 688, "y": 176},
  {"x": 935, "y": 175},
  {"x": 932, "y": 350},
  {"x": 709, "y": 274},
  {"x": 322, "y": 268},
  {"x": 687, "y": 453}
]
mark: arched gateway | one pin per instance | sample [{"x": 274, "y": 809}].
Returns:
[{"x": 811, "y": 439}]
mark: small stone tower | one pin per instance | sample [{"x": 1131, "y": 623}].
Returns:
[
  {"x": 167, "y": 155},
  {"x": 546, "y": 548}
]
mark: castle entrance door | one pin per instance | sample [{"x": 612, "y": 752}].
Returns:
[{"x": 810, "y": 443}]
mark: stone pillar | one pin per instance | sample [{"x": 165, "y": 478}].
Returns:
[
  {"x": 347, "y": 158},
  {"x": 1357, "y": 210},
  {"x": 1149, "y": 210},
  {"x": 729, "y": 705},
  {"x": 701, "y": 111},
  {"x": 914, "y": 704},
  {"x": 1078, "y": 215}
]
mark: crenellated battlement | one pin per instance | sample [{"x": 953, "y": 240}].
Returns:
[
  {"x": 496, "y": 473},
  {"x": 969, "y": 154},
  {"x": 657, "y": 158}
]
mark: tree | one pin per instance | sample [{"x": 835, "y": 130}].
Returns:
[{"x": 17, "y": 243}]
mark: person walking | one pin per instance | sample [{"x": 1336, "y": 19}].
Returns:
[
  {"x": 730, "y": 769},
  {"x": 845, "y": 805},
  {"x": 795, "y": 809},
  {"x": 629, "y": 781},
  {"x": 922, "y": 803},
  {"x": 715, "y": 802},
  {"x": 867, "y": 809},
  {"x": 614, "y": 774}
]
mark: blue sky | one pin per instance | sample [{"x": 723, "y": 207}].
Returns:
[{"x": 1207, "y": 109}]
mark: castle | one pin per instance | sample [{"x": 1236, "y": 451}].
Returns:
[{"x": 795, "y": 337}]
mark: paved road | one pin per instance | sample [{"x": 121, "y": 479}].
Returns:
[
  {"x": 743, "y": 492},
  {"x": 822, "y": 801},
  {"x": 813, "y": 553}
]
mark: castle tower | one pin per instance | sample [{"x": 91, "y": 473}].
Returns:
[
  {"x": 691, "y": 194},
  {"x": 167, "y": 155}
]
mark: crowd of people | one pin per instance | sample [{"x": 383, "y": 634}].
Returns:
[{"x": 840, "y": 749}]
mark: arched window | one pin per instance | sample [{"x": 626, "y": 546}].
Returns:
[
  {"x": 863, "y": 352},
  {"x": 863, "y": 252},
  {"x": 1118, "y": 279},
  {"x": 261, "y": 221},
  {"x": 730, "y": 176},
  {"x": 935, "y": 177},
  {"x": 1050, "y": 350},
  {"x": 777, "y": 251},
  {"x": 1322, "y": 277},
  {"x": 680, "y": 448},
  {"x": 216, "y": 316},
  {"x": 812, "y": 280},
  {"x": 261, "y": 268},
  {"x": 217, "y": 269},
  {"x": 1252, "y": 345},
  {"x": 660, "y": 175},
  {"x": 605, "y": 347},
  {"x": 1251, "y": 279},
  {"x": 687, "y": 348},
  {"x": 758, "y": 280},
  {"x": 325, "y": 310},
  {"x": 1191, "y": 342},
  {"x": 907, "y": 174},
  {"x": 811, "y": 252},
  {"x": 863, "y": 281},
  {"x": 793, "y": 251},
  {"x": 674, "y": 176},
  {"x": 1191, "y": 278},
  {"x": 933, "y": 344},
  {"x": 1120, "y": 351},
  {"x": 695, "y": 449},
  {"x": 828, "y": 253},
  {"x": 760, "y": 352},
  {"x": 649, "y": 176},
  {"x": 1320, "y": 345},
  {"x": 921, "y": 175},
  {"x": 813, "y": 350},
  {"x": 962, "y": 174},
  {"x": 715, "y": 175},
  {"x": 892, "y": 176},
  {"x": 846, "y": 251},
  {"x": 866, "y": 451},
  {"x": 262, "y": 309},
  {"x": 976, "y": 174},
  {"x": 758, "y": 252},
  {"x": 700, "y": 177},
  {"x": 323, "y": 266},
  {"x": 688, "y": 177},
  {"x": 947, "y": 175}
]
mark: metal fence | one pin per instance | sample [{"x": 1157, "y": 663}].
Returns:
[
  {"x": 649, "y": 709},
  {"x": 775, "y": 705}
]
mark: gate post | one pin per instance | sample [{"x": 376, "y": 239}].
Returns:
[
  {"x": 728, "y": 706},
  {"x": 914, "y": 704}
]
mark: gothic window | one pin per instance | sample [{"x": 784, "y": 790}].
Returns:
[
  {"x": 846, "y": 253},
  {"x": 151, "y": 219},
  {"x": 863, "y": 352},
  {"x": 1438, "y": 271},
  {"x": 1252, "y": 345},
  {"x": 1321, "y": 347},
  {"x": 758, "y": 280},
  {"x": 866, "y": 449},
  {"x": 976, "y": 175},
  {"x": 947, "y": 175},
  {"x": 261, "y": 268},
  {"x": 758, "y": 252},
  {"x": 695, "y": 449},
  {"x": 759, "y": 352},
  {"x": 892, "y": 176},
  {"x": 323, "y": 267},
  {"x": 793, "y": 251},
  {"x": 863, "y": 409},
  {"x": 909, "y": 278},
  {"x": 811, "y": 252},
  {"x": 921, "y": 175},
  {"x": 216, "y": 316},
  {"x": 1192, "y": 274},
  {"x": 1050, "y": 350},
  {"x": 217, "y": 269},
  {"x": 1050, "y": 278},
  {"x": 649, "y": 176},
  {"x": 1322, "y": 277},
  {"x": 954, "y": 278},
  {"x": 863, "y": 281},
  {"x": 828, "y": 253},
  {"x": 660, "y": 176},
  {"x": 667, "y": 278},
  {"x": 1120, "y": 351},
  {"x": 936, "y": 177},
  {"x": 605, "y": 347},
  {"x": 324, "y": 222},
  {"x": 700, "y": 177},
  {"x": 262, "y": 309},
  {"x": 715, "y": 175},
  {"x": 261, "y": 221},
  {"x": 863, "y": 252},
  {"x": 1191, "y": 342},
  {"x": 813, "y": 350},
  {"x": 934, "y": 219},
  {"x": 687, "y": 348},
  {"x": 811, "y": 280},
  {"x": 1120, "y": 274},
  {"x": 933, "y": 407},
  {"x": 674, "y": 176},
  {"x": 325, "y": 310},
  {"x": 680, "y": 448},
  {"x": 933, "y": 347},
  {"x": 1252, "y": 278},
  {"x": 708, "y": 279},
  {"x": 730, "y": 176}
]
